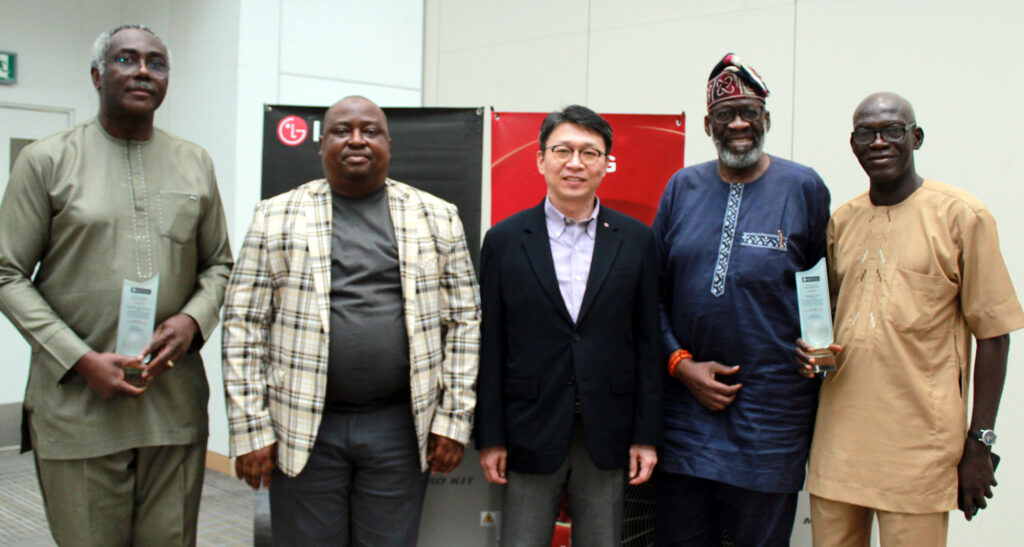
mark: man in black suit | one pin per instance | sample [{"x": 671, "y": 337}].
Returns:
[{"x": 570, "y": 384}]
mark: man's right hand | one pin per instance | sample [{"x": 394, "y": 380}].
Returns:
[
  {"x": 804, "y": 359},
  {"x": 493, "y": 460},
  {"x": 700, "y": 378},
  {"x": 256, "y": 466},
  {"x": 104, "y": 372}
]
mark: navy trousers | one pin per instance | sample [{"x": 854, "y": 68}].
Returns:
[{"x": 692, "y": 512}]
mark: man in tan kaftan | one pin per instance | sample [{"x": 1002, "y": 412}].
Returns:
[{"x": 916, "y": 273}]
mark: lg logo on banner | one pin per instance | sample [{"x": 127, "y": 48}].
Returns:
[
  {"x": 292, "y": 130},
  {"x": 611, "y": 164}
]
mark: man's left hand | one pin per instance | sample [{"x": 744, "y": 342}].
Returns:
[
  {"x": 171, "y": 340},
  {"x": 443, "y": 454},
  {"x": 642, "y": 459},
  {"x": 976, "y": 478}
]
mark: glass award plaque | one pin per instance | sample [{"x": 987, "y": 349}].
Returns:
[
  {"x": 136, "y": 322},
  {"x": 816, "y": 315}
]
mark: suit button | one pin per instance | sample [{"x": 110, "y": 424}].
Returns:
[{"x": 575, "y": 337}]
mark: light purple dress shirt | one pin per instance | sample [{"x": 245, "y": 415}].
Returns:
[{"x": 572, "y": 248}]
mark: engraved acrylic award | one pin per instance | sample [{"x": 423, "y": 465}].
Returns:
[
  {"x": 136, "y": 322},
  {"x": 816, "y": 315}
]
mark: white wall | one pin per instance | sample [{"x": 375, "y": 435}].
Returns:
[{"x": 955, "y": 61}]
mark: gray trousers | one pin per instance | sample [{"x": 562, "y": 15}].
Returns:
[
  {"x": 142, "y": 496},
  {"x": 361, "y": 486},
  {"x": 596, "y": 500}
]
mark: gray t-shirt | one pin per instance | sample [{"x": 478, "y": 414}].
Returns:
[{"x": 369, "y": 351}]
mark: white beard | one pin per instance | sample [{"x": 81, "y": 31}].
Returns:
[{"x": 733, "y": 160}]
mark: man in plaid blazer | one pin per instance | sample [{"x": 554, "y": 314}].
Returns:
[{"x": 351, "y": 335}]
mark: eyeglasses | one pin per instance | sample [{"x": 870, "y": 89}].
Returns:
[
  {"x": 157, "y": 66},
  {"x": 726, "y": 115},
  {"x": 587, "y": 155},
  {"x": 892, "y": 134}
]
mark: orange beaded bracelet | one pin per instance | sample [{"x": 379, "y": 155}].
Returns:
[{"x": 677, "y": 357}]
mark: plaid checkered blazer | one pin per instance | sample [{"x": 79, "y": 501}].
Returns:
[{"x": 277, "y": 315}]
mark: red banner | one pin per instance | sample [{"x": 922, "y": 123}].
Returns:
[{"x": 647, "y": 150}]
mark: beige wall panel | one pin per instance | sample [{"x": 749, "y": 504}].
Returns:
[
  {"x": 542, "y": 74},
  {"x": 431, "y": 57},
  {"x": 467, "y": 24},
  {"x": 323, "y": 92},
  {"x": 663, "y": 67},
  {"x": 378, "y": 42},
  {"x": 616, "y": 13}
]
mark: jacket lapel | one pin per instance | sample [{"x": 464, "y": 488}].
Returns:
[
  {"x": 407, "y": 236},
  {"x": 538, "y": 252},
  {"x": 317, "y": 210},
  {"x": 606, "y": 247}
]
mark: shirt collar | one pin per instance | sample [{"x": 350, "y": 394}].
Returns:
[{"x": 557, "y": 222}]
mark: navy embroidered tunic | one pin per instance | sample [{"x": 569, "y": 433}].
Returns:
[{"x": 727, "y": 255}]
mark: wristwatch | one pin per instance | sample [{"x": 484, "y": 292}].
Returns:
[{"x": 986, "y": 437}]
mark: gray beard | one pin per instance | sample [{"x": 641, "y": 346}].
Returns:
[{"x": 733, "y": 160}]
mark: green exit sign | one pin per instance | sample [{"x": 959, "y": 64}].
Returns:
[{"x": 8, "y": 67}]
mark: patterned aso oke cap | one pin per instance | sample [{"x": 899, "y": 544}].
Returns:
[{"x": 731, "y": 79}]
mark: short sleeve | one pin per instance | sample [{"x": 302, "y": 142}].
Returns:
[{"x": 987, "y": 297}]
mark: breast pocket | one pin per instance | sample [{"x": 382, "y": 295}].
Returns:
[
  {"x": 179, "y": 215},
  {"x": 773, "y": 242},
  {"x": 919, "y": 303}
]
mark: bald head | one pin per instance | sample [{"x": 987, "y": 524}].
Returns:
[
  {"x": 356, "y": 101},
  {"x": 885, "y": 101}
]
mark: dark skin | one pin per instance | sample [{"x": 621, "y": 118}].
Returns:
[
  {"x": 738, "y": 135},
  {"x": 355, "y": 149},
  {"x": 975, "y": 469},
  {"x": 355, "y": 152},
  {"x": 171, "y": 340},
  {"x": 701, "y": 378},
  {"x": 890, "y": 168},
  {"x": 129, "y": 96}
]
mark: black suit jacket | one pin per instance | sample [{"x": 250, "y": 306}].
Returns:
[{"x": 535, "y": 360}]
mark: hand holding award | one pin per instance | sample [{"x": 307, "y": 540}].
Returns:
[{"x": 816, "y": 316}]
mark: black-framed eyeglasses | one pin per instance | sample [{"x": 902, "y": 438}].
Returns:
[
  {"x": 157, "y": 66},
  {"x": 894, "y": 133},
  {"x": 588, "y": 156},
  {"x": 747, "y": 114}
]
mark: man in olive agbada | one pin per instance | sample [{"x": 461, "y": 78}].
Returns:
[
  {"x": 916, "y": 273},
  {"x": 111, "y": 200}
]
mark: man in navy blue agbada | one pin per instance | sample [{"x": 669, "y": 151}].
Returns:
[{"x": 730, "y": 233}]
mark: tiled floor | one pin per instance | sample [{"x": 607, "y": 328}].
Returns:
[{"x": 225, "y": 514}]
